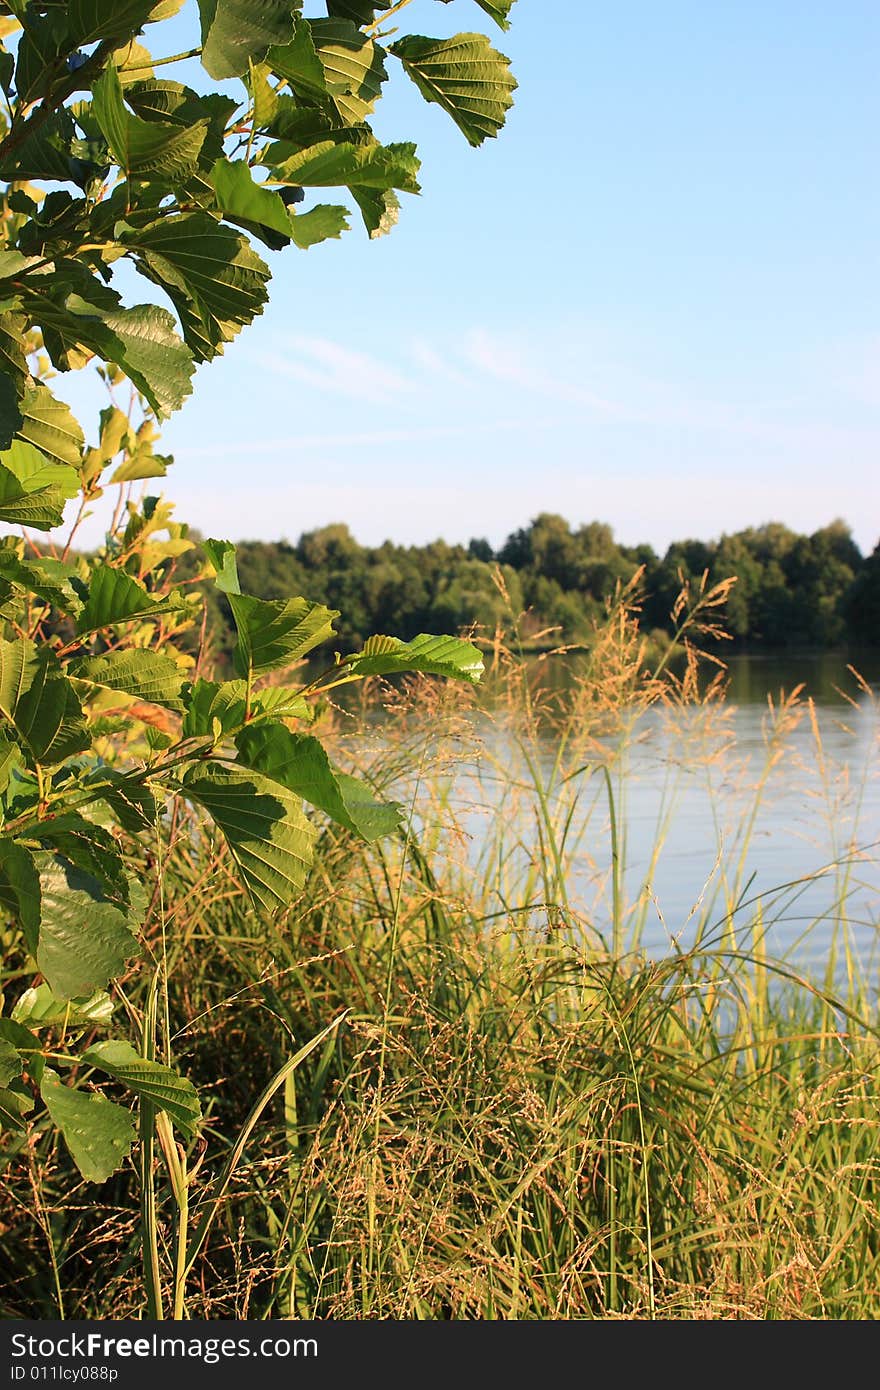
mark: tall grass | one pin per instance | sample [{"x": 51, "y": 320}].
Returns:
[{"x": 454, "y": 1083}]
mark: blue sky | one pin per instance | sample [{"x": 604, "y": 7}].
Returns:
[{"x": 652, "y": 301}]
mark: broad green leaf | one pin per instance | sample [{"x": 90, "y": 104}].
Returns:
[
  {"x": 40, "y": 1008},
  {"x": 149, "y": 350},
  {"x": 215, "y": 280},
  {"x": 144, "y": 149},
  {"x": 133, "y": 62},
  {"x": 49, "y": 426},
  {"x": 465, "y": 75},
  {"x": 131, "y": 802},
  {"x": 276, "y": 632},
  {"x": 329, "y": 165},
  {"x": 319, "y": 224},
  {"x": 89, "y": 847},
  {"x": 20, "y": 889},
  {"x": 265, "y": 98},
  {"x": 242, "y": 200},
  {"x": 235, "y": 32},
  {"x": 143, "y": 463},
  {"x": 380, "y": 209},
  {"x": 146, "y": 675},
  {"x": 298, "y": 63},
  {"x": 46, "y": 579},
  {"x": 85, "y": 939},
  {"x": 300, "y": 763},
  {"x": 40, "y": 702},
  {"x": 10, "y": 760},
  {"x": 98, "y": 1133},
  {"x": 90, "y": 21},
  {"x": 114, "y": 597},
  {"x": 25, "y": 504},
  {"x": 150, "y": 1081},
  {"x": 35, "y": 473},
  {"x": 218, "y": 709},
  {"x": 221, "y": 557},
  {"x": 438, "y": 656},
  {"x": 13, "y": 362},
  {"x": 268, "y": 834},
  {"x": 10, "y": 413},
  {"x": 360, "y": 12},
  {"x": 352, "y": 64},
  {"x": 10, "y": 1063},
  {"x": 13, "y": 1105}
]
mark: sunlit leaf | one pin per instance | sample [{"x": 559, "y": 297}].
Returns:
[
  {"x": 300, "y": 762},
  {"x": 150, "y": 1081},
  {"x": 465, "y": 75},
  {"x": 269, "y": 836},
  {"x": 144, "y": 674},
  {"x": 235, "y": 32},
  {"x": 439, "y": 656},
  {"x": 40, "y": 703},
  {"x": 98, "y": 1133}
]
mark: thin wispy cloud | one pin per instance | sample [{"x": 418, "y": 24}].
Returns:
[
  {"x": 507, "y": 361},
  {"x": 331, "y": 366}
]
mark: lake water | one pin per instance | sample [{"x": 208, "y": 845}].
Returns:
[{"x": 747, "y": 822}]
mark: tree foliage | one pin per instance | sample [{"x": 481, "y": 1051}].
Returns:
[{"x": 106, "y": 163}]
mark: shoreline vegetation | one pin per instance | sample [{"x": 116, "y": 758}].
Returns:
[
  {"x": 791, "y": 592},
  {"x": 511, "y": 1112}
]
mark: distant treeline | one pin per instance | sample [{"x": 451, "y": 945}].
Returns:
[{"x": 792, "y": 591}]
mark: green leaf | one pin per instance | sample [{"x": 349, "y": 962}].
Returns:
[
  {"x": 319, "y": 224},
  {"x": 144, "y": 149},
  {"x": 40, "y": 703},
  {"x": 114, "y": 597},
  {"x": 328, "y": 164},
  {"x": 360, "y": 12},
  {"x": 20, "y": 889},
  {"x": 146, "y": 675},
  {"x": 10, "y": 1063},
  {"x": 10, "y": 414},
  {"x": 215, "y": 280},
  {"x": 465, "y": 75},
  {"x": 221, "y": 557},
  {"x": 298, "y": 63},
  {"x": 275, "y": 632},
  {"x": 242, "y": 200},
  {"x": 112, "y": 21},
  {"x": 235, "y": 32},
  {"x": 14, "y": 1104},
  {"x": 40, "y": 1008},
  {"x": 50, "y": 426},
  {"x": 439, "y": 656},
  {"x": 300, "y": 763},
  {"x": 150, "y": 1081},
  {"x": 131, "y": 802},
  {"x": 380, "y": 209},
  {"x": 268, "y": 835},
  {"x": 49, "y": 580},
  {"x": 89, "y": 847},
  {"x": 33, "y": 489},
  {"x": 13, "y": 362},
  {"x": 98, "y": 1133},
  {"x": 353, "y": 67},
  {"x": 85, "y": 939},
  {"x": 218, "y": 709},
  {"x": 143, "y": 463},
  {"x": 151, "y": 353}
]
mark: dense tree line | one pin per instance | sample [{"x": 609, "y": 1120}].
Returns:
[{"x": 791, "y": 590}]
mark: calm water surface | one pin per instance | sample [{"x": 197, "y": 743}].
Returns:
[{"x": 768, "y": 821}]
